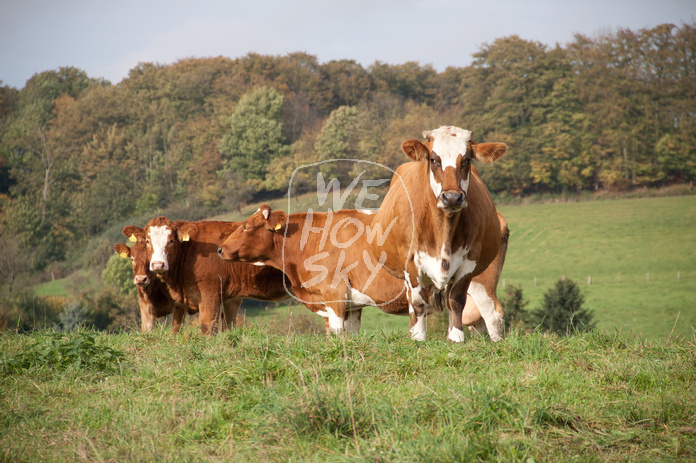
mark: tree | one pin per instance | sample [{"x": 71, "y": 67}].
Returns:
[
  {"x": 338, "y": 140},
  {"x": 515, "y": 306},
  {"x": 254, "y": 139},
  {"x": 562, "y": 311}
]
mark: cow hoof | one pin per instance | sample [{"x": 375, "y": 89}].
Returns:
[
  {"x": 456, "y": 335},
  {"x": 418, "y": 335}
]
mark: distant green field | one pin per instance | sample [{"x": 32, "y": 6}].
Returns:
[{"x": 633, "y": 251}]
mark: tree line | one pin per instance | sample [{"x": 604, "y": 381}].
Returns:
[{"x": 79, "y": 154}]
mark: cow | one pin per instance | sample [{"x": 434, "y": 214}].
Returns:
[
  {"x": 153, "y": 296},
  {"x": 183, "y": 256},
  {"x": 324, "y": 257},
  {"x": 445, "y": 227}
]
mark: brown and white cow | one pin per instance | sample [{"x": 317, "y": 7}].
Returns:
[
  {"x": 324, "y": 255},
  {"x": 446, "y": 230},
  {"x": 183, "y": 255},
  {"x": 153, "y": 296}
]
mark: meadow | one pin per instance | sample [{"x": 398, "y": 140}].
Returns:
[{"x": 250, "y": 395}]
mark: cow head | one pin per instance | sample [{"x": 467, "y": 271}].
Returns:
[
  {"x": 163, "y": 240},
  {"x": 138, "y": 257},
  {"x": 254, "y": 239},
  {"x": 448, "y": 152}
]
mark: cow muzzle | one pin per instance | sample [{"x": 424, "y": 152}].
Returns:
[
  {"x": 141, "y": 280},
  {"x": 158, "y": 267},
  {"x": 452, "y": 200},
  {"x": 226, "y": 255}
]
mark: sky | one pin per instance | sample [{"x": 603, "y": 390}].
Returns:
[{"x": 107, "y": 38}]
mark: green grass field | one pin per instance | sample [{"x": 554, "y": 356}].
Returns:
[{"x": 250, "y": 395}]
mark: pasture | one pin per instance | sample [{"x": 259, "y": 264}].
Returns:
[{"x": 249, "y": 395}]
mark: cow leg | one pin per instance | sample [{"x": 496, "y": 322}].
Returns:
[
  {"x": 178, "y": 317},
  {"x": 352, "y": 320},
  {"x": 457, "y": 301},
  {"x": 333, "y": 318},
  {"x": 471, "y": 316},
  {"x": 416, "y": 312},
  {"x": 229, "y": 312},
  {"x": 209, "y": 313},
  {"x": 487, "y": 306},
  {"x": 147, "y": 319}
]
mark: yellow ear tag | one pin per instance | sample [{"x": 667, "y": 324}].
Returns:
[
  {"x": 132, "y": 238},
  {"x": 277, "y": 227},
  {"x": 185, "y": 238},
  {"x": 123, "y": 254}
]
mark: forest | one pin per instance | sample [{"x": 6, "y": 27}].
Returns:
[{"x": 81, "y": 156}]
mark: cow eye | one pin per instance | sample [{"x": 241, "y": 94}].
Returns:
[{"x": 434, "y": 162}]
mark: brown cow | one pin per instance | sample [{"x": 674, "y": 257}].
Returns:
[
  {"x": 445, "y": 228},
  {"x": 153, "y": 296},
  {"x": 323, "y": 255},
  {"x": 183, "y": 255}
]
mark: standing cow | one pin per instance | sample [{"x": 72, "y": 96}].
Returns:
[
  {"x": 153, "y": 296},
  {"x": 325, "y": 257},
  {"x": 446, "y": 230},
  {"x": 184, "y": 257}
]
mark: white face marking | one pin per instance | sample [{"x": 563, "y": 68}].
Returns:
[
  {"x": 486, "y": 305},
  {"x": 435, "y": 186},
  {"x": 449, "y": 143},
  {"x": 158, "y": 239},
  {"x": 455, "y": 335},
  {"x": 352, "y": 322}
]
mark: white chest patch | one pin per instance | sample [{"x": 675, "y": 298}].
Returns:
[
  {"x": 444, "y": 268},
  {"x": 359, "y": 299},
  {"x": 158, "y": 239}
]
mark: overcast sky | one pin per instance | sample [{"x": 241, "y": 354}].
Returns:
[{"x": 107, "y": 38}]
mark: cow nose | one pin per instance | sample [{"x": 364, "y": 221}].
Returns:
[
  {"x": 452, "y": 198},
  {"x": 142, "y": 280},
  {"x": 220, "y": 251},
  {"x": 157, "y": 266}
]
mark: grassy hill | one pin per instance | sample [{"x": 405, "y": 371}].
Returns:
[{"x": 248, "y": 395}]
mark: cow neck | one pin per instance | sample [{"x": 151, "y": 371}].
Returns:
[
  {"x": 443, "y": 232},
  {"x": 285, "y": 245},
  {"x": 173, "y": 277}
]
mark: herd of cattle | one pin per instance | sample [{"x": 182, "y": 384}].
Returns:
[{"x": 436, "y": 243}]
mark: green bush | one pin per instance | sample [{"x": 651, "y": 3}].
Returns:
[{"x": 562, "y": 311}]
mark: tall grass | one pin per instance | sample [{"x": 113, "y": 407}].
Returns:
[{"x": 250, "y": 395}]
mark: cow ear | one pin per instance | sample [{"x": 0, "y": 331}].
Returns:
[
  {"x": 265, "y": 211},
  {"x": 133, "y": 233},
  {"x": 187, "y": 231},
  {"x": 122, "y": 250},
  {"x": 415, "y": 150},
  {"x": 488, "y": 152},
  {"x": 276, "y": 221}
]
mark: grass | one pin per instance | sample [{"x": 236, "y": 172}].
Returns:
[
  {"x": 250, "y": 395},
  {"x": 632, "y": 250}
]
